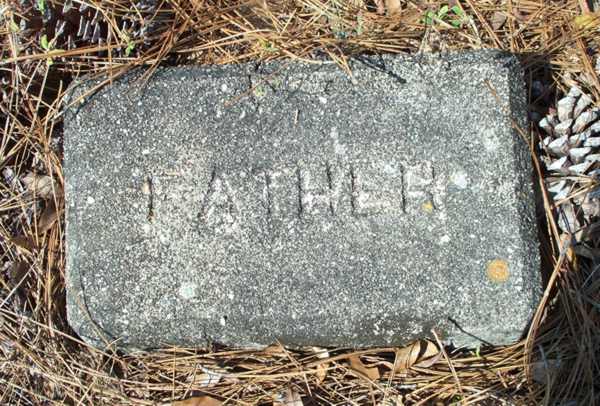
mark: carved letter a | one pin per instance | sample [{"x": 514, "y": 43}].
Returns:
[{"x": 219, "y": 204}]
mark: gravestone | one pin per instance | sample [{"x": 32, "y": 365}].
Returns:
[{"x": 295, "y": 202}]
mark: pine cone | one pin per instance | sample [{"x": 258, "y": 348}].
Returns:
[
  {"x": 572, "y": 151},
  {"x": 76, "y": 24}
]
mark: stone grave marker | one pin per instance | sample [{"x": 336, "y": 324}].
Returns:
[{"x": 293, "y": 202}]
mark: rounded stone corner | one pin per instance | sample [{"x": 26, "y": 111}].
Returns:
[{"x": 80, "y": 320}]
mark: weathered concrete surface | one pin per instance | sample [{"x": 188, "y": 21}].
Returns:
[{"x": 294, "y": 203}]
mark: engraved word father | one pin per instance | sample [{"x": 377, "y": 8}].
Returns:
[{"x": 308, "y": 189}]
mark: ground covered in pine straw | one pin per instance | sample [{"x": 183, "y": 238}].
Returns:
[{"x": 46, "y": 43}]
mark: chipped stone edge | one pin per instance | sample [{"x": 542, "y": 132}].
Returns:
[{"x": 515, "y": 115}]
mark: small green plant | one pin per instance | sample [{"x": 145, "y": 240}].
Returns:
[
  {"x": 44, "y": 43},
  {"x": 456, "y": 400},
  {"x": 268, "y": 45},
  {"x": 13, "y": 26},
  {"x": 48, "y": 46},
  {"x": 454, "y": 16},
  {"x": 130, "y": 48}
]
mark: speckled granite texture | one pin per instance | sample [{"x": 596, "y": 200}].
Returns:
[{"x": 245, "y": 204}]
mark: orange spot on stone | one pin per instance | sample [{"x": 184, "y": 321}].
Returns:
[
  {"x": 497, "y": 270},
  {"x": 427, "y": 207}
]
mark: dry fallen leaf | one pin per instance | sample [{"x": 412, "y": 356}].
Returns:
[
  {"x": 205, "y": 380},
  {"x": 275, "y": 350},
  {"x": 357, "y": 365},
  {"x": 426, "y": 363},
  {"x": 198, "y": 401},
  {"x": 41, "y": 185},
  {"x": 322, "y": 372},
  {"x": 47, "y": 218},
  {"x": 18, "y": 273},
  {"x": 24, "y": 242},
  {"x": 289, "y": 398},
  {"x": 544, "y": 371},
  {"x": 209, "y": 377},
  {"x": 393, "y": 7},
  {"x": 498, "y": 20},
  {"x": 408, "y": 356},
  {"x": 321, "y": 353},
  {"x": 521, "y": 15}
]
